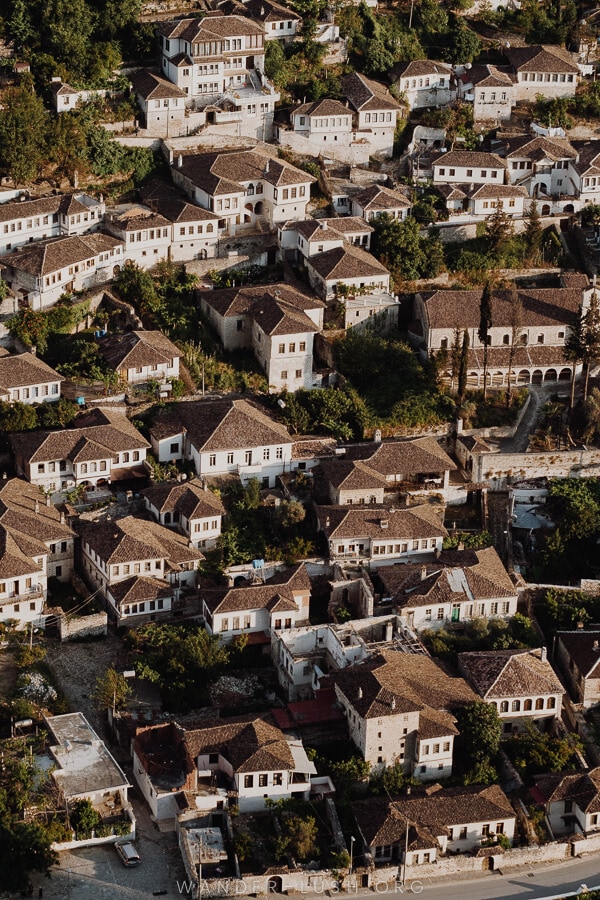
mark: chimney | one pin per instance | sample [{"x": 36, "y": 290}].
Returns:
[
  {"x": 580, "y": 624},
  {"x": 323, "y": 225},
  {"x": 360, "y": 693},
  {"x": 62, "y": 517},
  {"x": 393, "y": 703},
  {"x": 267, "y": 166},
  {"x": 48, "y": 501},
  {"x": 179, "y": 161},
  {"x": 389, "y": 631},
  {"x": 383, "y": 523},
  {"x": 377, "y": 436},
  {"x": 327, "y": 522},
  {"x": 543, "y": 654},
  {"x": 423, "y": 573},
  {"x": 37, "y": 507},
  {"x": 408, "y": 790}
]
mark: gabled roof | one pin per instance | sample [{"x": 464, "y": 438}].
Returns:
[
  {"x": 28, "y": 517},
  {"x": 136, "y": 218},
  {"x": 583, "y": 647},
  {"x": 277, "y": 317},
  {"x": 66, "y": 204},
  {"x": 430, "y": 812},
  {"x": 540, "y": 306},
  {"x": 419, "y": 67},
  {"x": 365, "y": 94},
  {"x": 391, "y": 683},
  {"x": 61, "y": 89},
  {"x": 227, "y": 171},
  {"x": 137, "y": 349},
  {"x": 583, "y": 788},
  {"x": 249, "y": 744},
  {"x": 378, "y": 197},
  {"x": 209, "y": 28},
  {"x": 45, "y": 257},
  {"x": 541, "y": 58},
  {"x": 488, "y": 76},
  {"x": 151, "y": 86},
  {"x": 222, "y": 425},
  {"x": 16, "y": 553},
  {"x": 24, "y": 369},
  {"x": 349, "y": 475},
  {"x": 187, "y": 498},
  {"x": 323, "y": 107},
  {"x": 261, "y": 10},
  {"x": 276, "y": 594},
  {"x": 131, "y": 539},
  {"x": 346, "y": 262},
  {"x": 496, "y": 674},
  {"x": 411, "y": 456},
  {"x": 96, "y": 435},
  {"x": 356, "y": 522},
  {"x": 236, "y": 301},
  {"x": 177, "y": 210},
  {"x": 467, "y": 158},
  {"x": 540, "y": 147},
  {"x": 139, "y": 589}
]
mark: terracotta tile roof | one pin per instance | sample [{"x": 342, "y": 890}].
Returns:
[
  {"x": 44, "y": 206},
  {"x": 176, "y": 210},
  {"x": 223, "y": 425},
  {"x": 187, "y": 498},
  {"x": 15, "y": 555},
  {"x": 103, "y": 433},
  {"x": 469, "y": 158},
  {"x": 346, "y": 262},
  {"x": 210, "y": 28},
  {"x": 239, "y": 300},
  {"x": 391, "y": 683},
  {"x": 137, "y": 218},
  {"x": 474, "y": 444},
  {"x": 419, "y": 67},
  {"x": 365, "y": 94},
  {"x": 430, "y": 811},
  {"x": 485, "y": 579},
  {"x": 589, "y": 157},
  {"x": 541, "y": 58},
  {"x": 45, "y": 257},
  {"x": 541, "y": 306},
  {"x": 137, "y": 349},
  {"x": 323, "y": 107},
  {"x": 348, "y": 225},
  {"x": 581, "y": 787},
  {"x": 583, "y": 649},
  {"x": 496, "y": 191},
  {"x": 249, "y": 744},
  {"x": 261, "y": 10},
  {"x": 489, "y": 76},
  {"x": 61, "y": 89},
  {"x": 151, "y": 86},
  {"x": 227, "y": 171},
  {"x": 131, "y": 539},
  {"x": 539, "y": 147},
  {"x": 351, "y": 475},
  {"x": 276, "y": 594},
  {"x": 277, "y": 317},
  {"x": 412, "y": 456},
  {"x": 24, "y": 369},
  {"x": 531, "y": 355},
  {"x": 497, "y": 674},
  {"x": 358, "y": 522},
  {"x": 139, "y": 589},
  {"x": 25, "y": 514},
  {"x": 378, "y": 197}
]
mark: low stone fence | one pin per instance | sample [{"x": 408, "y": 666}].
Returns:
[
  {"x": 77, "y": 627},
  {"x": 97, "y": 841},
  {"x": 498, "y": 431}
]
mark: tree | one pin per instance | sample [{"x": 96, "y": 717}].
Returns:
[
  {"x": 463, "y": 368},
  {"x": 401, "y": 248},
  {"x": 83, "y": 817},
  {"x": 290, "y": 513},
  {"x": 25, "y": 847},
  {"x": 111, "y": 690},
  {"x": 485, "y": 323},
  {"x": 499, "y": 230},
  {"x": 455, "y": 357},
  {"x": 583, "y": 342},
  {"x": 533, "y": 232},
  {"x": 480, "y": 729},
  {"x": 23, "y": 132},
  {"x": 298, "y": 837}
]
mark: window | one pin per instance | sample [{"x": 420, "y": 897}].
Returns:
[
  {"x": 302, "y": 346},
  {"x": 516, "y": 705},
  {"x": 174, "y": 448},
  {"x": 212, "y": 459},
  {"x": 248, "y": 781},
  {"x": 485, "y": 830},
  {"x": 230, "y": 459},
  {"x": 539, "y": 703},
  {"x": 279, "y": 453},
  {"x": 298, "y": 373},
  {"x": 528, "y": 705},
  {"x": 568, "y": 806},
  {"x": 550, "y": 702},
  {"x": 504, "y": 706},
  {"x": 463, "y": 833},
  {"x": 446, "y": 746},
  {"x": 277, "y": 778},
  {"x": 263, "y": 780},
  {"x": 284, "y": 374},
  {"x": 281, "y": 348}
]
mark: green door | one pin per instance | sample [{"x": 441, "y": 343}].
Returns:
[{"x": 456, "y": 613}]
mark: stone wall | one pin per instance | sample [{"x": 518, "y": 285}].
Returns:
[
  {"x": 78, "y": 627},
  {"x": 497, "y": 468}
]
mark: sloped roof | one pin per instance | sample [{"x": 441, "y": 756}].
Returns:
[
  {"x": 277, "y": 317},
  {"x": 323, "y": 107},
  {"x": 227, "y": 171},
  {"x": 391, "y": 683},
  {"x": 411, "y": 456},
  {"x": 151, "y": 86},
  {"x": 179, "y": 210},
  {"x": 419, "y": 67},
  {"x": 209, "y": 28},
  {"x": 130, "y": 539},
  {"x": 467, "y": 158},
  {"x": 497, "y": 674},
  {"x": 261, "y": 10},
  {"x": 378, "y": 197},
  {"x": 236, "y": 301},
  {"x": 24, "y": 369},
  {"x": 432, "y": 810},
  {"x": 351, "y": 475},
  {"x": 249, "y": 744},
  {"x": 276, "y": 594},
  {"x": 139, "y": 589},
  {"x": 223, "y": 425},
  {"x": 489, "y": 76},
  {"x": 540, "y": 306},
  {"x": 138, "y": 349},
  {"x": 26, "y": 515},
  {"x": 346, "y": 262},
  {"x": 541, "y": 58},
  {"x": 364, "y": 94},
  {"x": 356, "y": 522},
  {"x": 583, "y": 647},
  {"x": 583, "y": 788},
  {"x": 539, "y": 147},
  {"x": 44, "y": 257},
  {"x": 187, "y": 498}
]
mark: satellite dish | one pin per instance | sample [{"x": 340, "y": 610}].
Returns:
[{"x": 507, "y": 45}]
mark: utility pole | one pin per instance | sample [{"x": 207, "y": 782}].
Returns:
[
  {"x": 200, "y": 845},
  {"x": 352, "y": 839}
]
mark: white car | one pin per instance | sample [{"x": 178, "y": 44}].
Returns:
[{"x": 128, "y": 854}]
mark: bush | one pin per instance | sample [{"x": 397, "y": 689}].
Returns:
[{"x": 84, "y": 818}]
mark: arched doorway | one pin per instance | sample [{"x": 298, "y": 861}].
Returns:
[
  {"x": 545, "y": 211},
  {"x": 523, "y": 376},
  {"x": 537, "y": 376},
  {"x": 564, "y": 375},
  {"x": 551, "y": 375},
  {"x": 569, "y": 208},
  {"x": 248, "y": 206},
  {"x": 498, "y": 378},
  {"x": 258, "y": 208},
  {"x": 275, "y": 885},
  {"x": 116, "y": 270}
]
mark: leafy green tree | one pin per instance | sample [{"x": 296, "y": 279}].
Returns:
[
  {"x": 298, "y": 837},
  {"x": 463, "y": 44},
  {"x": 17, "y": 417},
  {"x": 485, "y": 323},
  {"x": 401, "y": 248},
  {"x": 23, "y": 132},
  {"x": 83, "y": 817},
  {"x": 290, "y": 513},
  {"x": 480, "y": 729},
  {"x": 111, "y": 690},
  {"x": 66, "y": 27},
  {"x": 25, "y": 847}
]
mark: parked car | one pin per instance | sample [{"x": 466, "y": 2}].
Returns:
[{"x": 128, "y": 854}]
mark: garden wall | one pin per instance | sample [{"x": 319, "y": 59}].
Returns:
[
  {"x": 82, "y": 626},
  {"x": 497, "y": 468},
  {"x": 499, "y": 431}
]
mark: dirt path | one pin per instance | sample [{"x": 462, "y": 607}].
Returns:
[{"x": 539, "y": 395}]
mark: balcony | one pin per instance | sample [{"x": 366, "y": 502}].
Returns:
[{"x": 222, "y": 118}]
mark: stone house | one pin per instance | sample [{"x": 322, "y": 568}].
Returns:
[
  {"x": 244, "y": 187},
  {"x": 376, "y": 111},
  {"x": 187, "y": 507},
  {"x": 24, "y": 221},
  {"x": 539, "y": 340},
  {"x": 301, "y": 240},
  {"x": 469, "y": 167},
  {"x": 546, "y": 168},
  {"x": 279, "y": 22},
  {"x": 578, "y": 653},
  {"x": 281, "y": 602},
  {"x": 482, "y": 200},
  {"x": 161, "y": 102},
  {"x": 521, "y": 684},
  {"x": 145, "y": 234},
  {"x": 424, "y": 83},
  {"x": 440, "y": 820},
  {"x": 277, "y": 322},
  {"x": 374, "y": 535},
  {"x": 41, "y": 272},
  {"x": 141, "y": 356},
  {"x": 346, "y": 270},
  {"x": 399, "y": 710},
  {"x": 222, "y": 437},
  {"x": 491, "y": 90},
  {"x": 101, "y": 447},
  {"x": 457, "y": 587},
  {"x": 378, "y": 200},
  {"x": 35, "y": 544},
  {"x": 65, "y": 98},
  {"x": 194, "y": 231},
  {"x": 26, "y": 379},
  {"x": 547, "y": 70},
  {"x": 571, "y": 801},
  {"x": 140, "y": 567}
]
